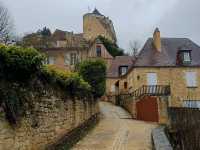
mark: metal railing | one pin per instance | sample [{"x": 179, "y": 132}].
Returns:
[{"x": 147, "y": 90}]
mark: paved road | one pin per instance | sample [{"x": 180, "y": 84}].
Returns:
[{"x": 117, "y": 131}]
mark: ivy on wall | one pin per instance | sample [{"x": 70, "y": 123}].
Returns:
[{"x": 112, "y": 48}]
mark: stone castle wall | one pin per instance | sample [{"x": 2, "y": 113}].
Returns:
[
  {"x": 93, "y": 26},
  {"x": 51, "y": 120}
]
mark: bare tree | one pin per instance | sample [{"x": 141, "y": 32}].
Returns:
[
  {"x": 134, "y": 47},
  {"x": 6, "y": 24}
]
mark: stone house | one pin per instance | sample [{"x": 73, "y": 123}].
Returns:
[
  {"x": 118, "y": 68},
  {"x": 70, "y": 48},
  {"x": 166, "y": 68}
]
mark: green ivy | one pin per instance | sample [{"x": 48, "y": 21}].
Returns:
[{"x": 112, "y": 48}]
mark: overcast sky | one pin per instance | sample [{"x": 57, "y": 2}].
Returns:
[{"x": 133, "y": 19}]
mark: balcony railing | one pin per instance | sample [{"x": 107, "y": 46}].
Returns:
[{"x": 147, "y": 90}]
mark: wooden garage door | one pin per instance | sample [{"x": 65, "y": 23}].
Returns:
[{"x": 147, "y": 109}]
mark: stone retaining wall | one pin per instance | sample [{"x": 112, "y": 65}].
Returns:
[
  {"x": 160, "y": 140},
  {"x": 51, "y": 119},
  {"x": 130, "y": 106}
]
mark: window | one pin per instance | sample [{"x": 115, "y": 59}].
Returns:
[
  {"x": 67, "y": 59},
  {"x": 73, "y": 58},
  {"x": 151, "y": 79},
  {"x": 186, "y": 57},
  {"x": 98, "y": 51},
  {"x": 191, "y": 103},
  {"x": 190, "y": 79},
  {"x": 123, "y": 70},
  {"x": 113, "y": 88},
  {"x": 51, "y": 60},
  {"x": 125, "y": 85},
  {"x": 58, "y": 43}
]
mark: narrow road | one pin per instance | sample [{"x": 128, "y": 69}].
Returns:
[{"x": 117, "y": 131}]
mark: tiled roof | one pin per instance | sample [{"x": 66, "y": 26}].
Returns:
[
  {"x": 113, "y": 71},
  {"x": 71, "y": 39},
  {"x": 61, "y": 49},
  {"x": 59, "y": 35},
  {"x": 149, "y": 57}
]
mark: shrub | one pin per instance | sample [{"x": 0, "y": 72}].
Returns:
[
  {"x": 94, "y": 72},
  {"x": 72, "y": 83},
  {"x": 18, "y": 63}
]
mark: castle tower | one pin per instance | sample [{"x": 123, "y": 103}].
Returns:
[{"x": 95, "y": 24}]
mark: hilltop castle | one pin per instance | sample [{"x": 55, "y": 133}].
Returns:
[
  {"x": 69, "y": 48},
  {"x": 95, "y": 24}
]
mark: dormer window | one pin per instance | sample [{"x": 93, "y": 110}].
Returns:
[
  {"x": 123, "y": 70},
  {"x": 184, "y": 57},
  {"x": 98, "y": 50},
  {"x": 187, "y": 56}
]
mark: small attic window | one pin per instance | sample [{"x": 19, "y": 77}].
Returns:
[
  {"x": 187, "y": 56},
  {"x": 98, "y": 51},
  {"x": 184, "y": 57},
  {"x": 123, "y": 70}
]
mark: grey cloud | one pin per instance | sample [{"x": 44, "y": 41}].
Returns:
[{"x": 133, "y": 19}]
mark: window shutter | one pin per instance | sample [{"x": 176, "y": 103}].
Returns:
[
  {"x": 113, "y": 88},
  {"x": 151, "y": 78},
  {"x": 191, "y": 79},
  {"x": 67, "y": 59}
]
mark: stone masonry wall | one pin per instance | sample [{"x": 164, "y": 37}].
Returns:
[
  {"x": 130, "y": 106},
  {"x": 51, "y": 119},
  {"x": 93, "y": 26},
  {"x": 175, "y": 77}
]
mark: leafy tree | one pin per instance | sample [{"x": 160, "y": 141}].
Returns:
[
  {"x": 94, "y": 72},
  {"x": 112, "y": 48},
  {"x": 45, "y": 32}
]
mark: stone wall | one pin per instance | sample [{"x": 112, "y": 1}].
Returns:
[
  {"x": 50, "y": 120},
  {"x": 94, "y": 25},
  {"x": 130, "y": 106},
  {"x": 160, "y": 140}
]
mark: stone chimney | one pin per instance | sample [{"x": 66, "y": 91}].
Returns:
[{"x": 157, "y": 40}]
